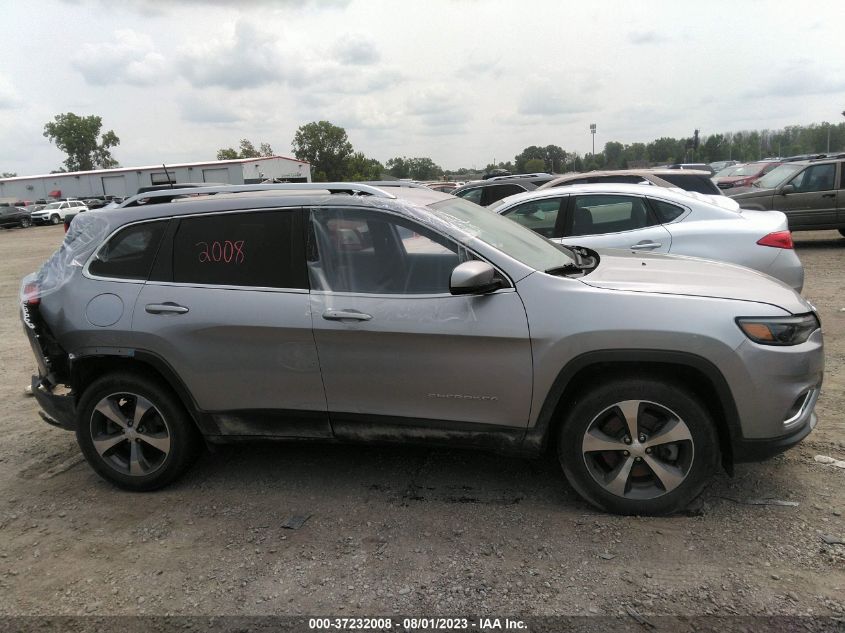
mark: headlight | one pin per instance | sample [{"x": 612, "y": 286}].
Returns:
[{"x": 779, "y": 330}]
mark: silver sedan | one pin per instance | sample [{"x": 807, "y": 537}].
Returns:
[{"x": 657, "y": 220}]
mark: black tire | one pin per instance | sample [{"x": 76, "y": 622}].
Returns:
[
  {"x": 842, "y": 232},
  {"x": 55, "y": 219},
  {"x": 645, "y": 493},
  {"x": 166, "y": 420},
  {"x": 26, "y": 223}
]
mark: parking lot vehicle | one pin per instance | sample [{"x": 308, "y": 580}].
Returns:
[
  {"x": 444, "y": 186},
  {"x": 743, "y": 175},
  {"x": 719, "y": 165},
  {"x": 810, "y": 192},
  {"x": 11, "y": 217},
  {"x": 55, "y": 212},
  {"x": 658, "y": 220},
  {"x": 486, "y": 192},
  {"x": 688, "y": 180},
  {"x": 695, "y": 166},
  {"x": 351, "y": 314}
]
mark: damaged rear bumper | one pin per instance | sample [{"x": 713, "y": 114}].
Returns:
[{"x": 58, "y": 410}]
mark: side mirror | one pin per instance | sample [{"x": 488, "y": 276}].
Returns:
[
  {"x": 475, "y": 277},
  {"x": 790, "y": 188}
]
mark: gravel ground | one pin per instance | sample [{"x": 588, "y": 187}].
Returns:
[{"x": 407, "y": 530}]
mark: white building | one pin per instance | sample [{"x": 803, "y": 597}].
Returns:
[{"x": 125, "y": 181}]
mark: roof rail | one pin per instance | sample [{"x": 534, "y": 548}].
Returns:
[
  {"x": 534, "y": 175},
  {"x": 394, "y": 183},
  {"x": 166, "y": 195}
]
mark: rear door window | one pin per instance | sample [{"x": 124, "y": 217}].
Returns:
[
  {"x": 600, "y": 214},
  {"x": 254, "y": 249},
  {"x": 130, "y": 253}
]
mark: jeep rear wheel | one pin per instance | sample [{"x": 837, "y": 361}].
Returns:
[
  {"x": 638, "y": 447},
  {"x": 134, "y": 432}
]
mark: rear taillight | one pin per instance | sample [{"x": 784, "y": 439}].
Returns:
[
  {"x": 781, "y": 239},
  {"x": 32, "y": 294}
]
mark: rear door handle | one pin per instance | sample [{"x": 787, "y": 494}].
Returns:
[
  {"x": 828, "y": 195},
  {"x": 165, "y": 308},
  {"x": 645, "y": 246},
  {"x": 346, "y": 315}
]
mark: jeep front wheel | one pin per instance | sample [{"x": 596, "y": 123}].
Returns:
[
  {"x": 134, "y": 432},
  {"x": 55, "y": 219},
  {"x": 638, "y": 447}
]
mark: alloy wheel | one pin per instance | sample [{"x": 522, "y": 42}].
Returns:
[
  {"x": 130, "y": 434},
  {"x": 638, "y": 449}
]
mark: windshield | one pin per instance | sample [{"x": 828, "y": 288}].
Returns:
[
  {"x": 751, "y": 169},
  {"x": 53, "y": 205},
  {"x": 506, "y": 235},
  {"x": 692, "y": 182},
  {"x": 778, "y": 175}
]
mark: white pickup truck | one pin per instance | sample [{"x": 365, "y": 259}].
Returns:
[{"x": 55, "y": 212}]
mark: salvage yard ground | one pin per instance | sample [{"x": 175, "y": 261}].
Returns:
[{"x": 407, "y": 530}]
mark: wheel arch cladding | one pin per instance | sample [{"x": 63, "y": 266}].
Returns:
[
  {"x": 695, "y": 373},
  {"x": 87, "y": 369}
]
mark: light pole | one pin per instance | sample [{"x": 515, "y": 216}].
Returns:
[{"x": 593, "y": 133}]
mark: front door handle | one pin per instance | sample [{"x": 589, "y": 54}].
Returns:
[
  {"x": 645, "y": 246},
  {"x": 165, "y": 308},
  {"x": 346, "y": 315},
  {"x": 828, "y": 195}
]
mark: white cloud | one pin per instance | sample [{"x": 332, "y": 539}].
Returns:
[
  {"x": 208, "y": 109},
  {"x": 129, "y": 57},
  {"x": 555, "y": 99},
  {"x": 356, "y": 50},
  {"x": 646, "y": 37},
  {"x": 248, "y": 58},
  {"x": 9, "y": 97},
  {"x": 438, "y": 106},
  {"x": 800, "y": 78}
]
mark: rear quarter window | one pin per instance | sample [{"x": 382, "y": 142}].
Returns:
[
  {"x": 130, "y": 252},
  {"x": 692, "y": 182},
  {"x": 666, "y": 212}
]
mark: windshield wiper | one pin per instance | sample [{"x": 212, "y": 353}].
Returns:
[{"x": 567, "y": 269}]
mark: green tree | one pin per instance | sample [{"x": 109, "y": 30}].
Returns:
[
  {"x": 398, "y": 168},
  {"x": 530, "y": 152},
  {"x": 534, "y": 165},
  {"x": 247, "y": 150},
  {"x": 228, "y": 153},
  {"x": 555, "y": 158},
  {"x": 614, "y": 155},
  {"x": 419, "y": 168},
  {"x": 358, "y": 167},
  {"x": 79, "y": 138},
  {"x": 423, "y": 168},
  {"x": 325, "y": 146},
  {"x": 8, "y": 174}
]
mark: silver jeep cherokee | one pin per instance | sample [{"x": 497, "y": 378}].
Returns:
[{"x": 349, "y": 314}]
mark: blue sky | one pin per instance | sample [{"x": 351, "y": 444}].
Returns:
[{"x": 462, "y": 81}]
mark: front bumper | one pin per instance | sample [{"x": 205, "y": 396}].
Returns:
[{"x": 758, "y": 450}]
